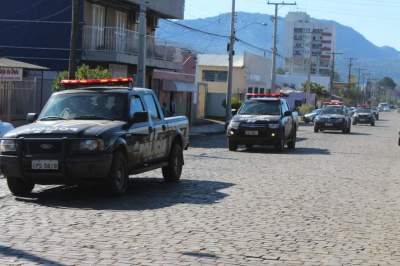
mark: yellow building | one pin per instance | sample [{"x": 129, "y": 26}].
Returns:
[{"x": 251, "y": 73}]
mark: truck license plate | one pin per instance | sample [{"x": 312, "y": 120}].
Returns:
[
  {"x": 251, "y": 133},
  {"x": 44, "y": 165},
  {"x": 329, "y": 124}
]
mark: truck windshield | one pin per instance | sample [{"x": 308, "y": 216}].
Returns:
[
  {"x": 88, "y": 106},
  {"x": 333, "y": 111},
  {"x": 363, "y": 110},
  {"x": 260, "y": 108}
]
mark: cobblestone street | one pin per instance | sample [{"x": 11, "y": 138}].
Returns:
[{"x": 335, "y": 200}]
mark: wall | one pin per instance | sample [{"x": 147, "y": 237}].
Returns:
[
  {"x": 239, "y": 83},
  {"x": 37, "y": 35}
]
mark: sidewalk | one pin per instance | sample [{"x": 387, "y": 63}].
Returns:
[{"x": 207, "y": 127}]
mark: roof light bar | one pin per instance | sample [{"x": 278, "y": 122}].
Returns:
[{"x": 67, "y": 82}]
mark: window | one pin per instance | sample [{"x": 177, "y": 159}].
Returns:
[
  {"x": 98, "y": 23},
  {"x": 284, "y": 107},
  {"x": 215, "y": 76},
  {"x": 256, "y": 90},
  {"x": 136, "y": 105},
  {"x": 152, "y": 107},
  {"x": 249, "y": 90},
  {"x": 262, "y": 90}
]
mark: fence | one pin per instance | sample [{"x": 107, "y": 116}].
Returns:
[{"x": 17, "y": 98}]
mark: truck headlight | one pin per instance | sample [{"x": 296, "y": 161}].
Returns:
[
  {"x": 234, "y": 124},
  {"x": 91, "y": 145},
  {"x": 8, "y": 145},
  {"x": 274, "y": 126}
]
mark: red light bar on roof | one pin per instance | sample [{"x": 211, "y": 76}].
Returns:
[
  {"x": 275, "y": 95},
  {"x": 72, "y": 82}
]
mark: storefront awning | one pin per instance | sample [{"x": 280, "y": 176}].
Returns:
[{"x": 179, "y": 86}]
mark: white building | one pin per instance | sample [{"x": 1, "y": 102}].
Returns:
[{"x": 308, "y": 40}]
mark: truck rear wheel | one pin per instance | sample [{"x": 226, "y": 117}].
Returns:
[
  {"x": 173, "y": 171},
  {"x": 19, "y": 187},
  {"x": 119, "y": 176},
  {"x": 292, "y": 142}
]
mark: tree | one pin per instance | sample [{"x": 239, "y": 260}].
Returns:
[
  {"x": 316, "y": 88},
  {"x": 83, "y": 72},
  {"x": 351, "y": 96},
  {"x": 387, "y": 83},
  {"x": 280, "y": 71}
]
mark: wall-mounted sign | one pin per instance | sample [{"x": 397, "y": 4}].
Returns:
[{"x": 10, "y": 74}]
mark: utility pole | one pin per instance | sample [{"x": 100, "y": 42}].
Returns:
[
  {"x": 351, "y": 59},
  {"x": 231, "y": 50},
  {"x": 359, "y": 77},
  {"x": 333, "y": 71},
  {"x": 74, "y": 39},
  {"x": 141, "y": 69},
  {"x": 274, "y": 49}
]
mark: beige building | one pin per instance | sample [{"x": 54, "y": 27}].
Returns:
[{"x": 251, "y": 73}]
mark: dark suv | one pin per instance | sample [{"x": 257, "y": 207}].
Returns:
[
  {"x": 263, "y": 121},
  {"x": 333, "y": 118}
]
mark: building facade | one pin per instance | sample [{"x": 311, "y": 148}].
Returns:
[
  {"x": 308, "y": 45},
  {"x": 251, "y": 73},
  {"x": 39, "y": 33}
]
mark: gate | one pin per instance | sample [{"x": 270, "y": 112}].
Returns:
[{"x": 215, "y": 105}]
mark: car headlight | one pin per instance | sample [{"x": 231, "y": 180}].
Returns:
[
  {"x": 234, "y": 124},
  {"x": 91, "y": 145},
  {"x": 274, "y": 126},
  {"x": 8, "y": 145}
]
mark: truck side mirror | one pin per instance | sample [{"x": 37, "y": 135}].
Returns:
[
  {"x": 288, "y": 113},
  {"x": 234, "y": 112},
  {"x": 31, "y": 117},
  {"x": 140, "y": 117}
]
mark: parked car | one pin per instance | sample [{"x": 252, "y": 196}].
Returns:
[
  {"x": 364, "y": 116},
  {"x": 5, "y": 127},
  {"x": 309, "y": 118},
  {"x": 384, "y": 107},
  {"x": 333, "y": 118},
  {"x": 263, "y": 121},
  {"x": 94, "y": 133}
]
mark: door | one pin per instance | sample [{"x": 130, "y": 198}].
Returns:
[
  {"x": 120, "y": 32},
  {"x": 98, "y": 24},
  {"x": 287, "y": 120},
  {"x": 138, "y": 138},
  {"x": 160, "y": 130}
]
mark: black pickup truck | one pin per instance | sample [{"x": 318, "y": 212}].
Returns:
[
  {"x": 94, "y": 131},
  {"x": 263, "y": 121}
]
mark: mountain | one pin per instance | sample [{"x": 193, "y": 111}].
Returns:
[{"x": 379, "y": 61}]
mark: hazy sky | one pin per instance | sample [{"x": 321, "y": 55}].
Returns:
[{"x": 377, "y": 20}]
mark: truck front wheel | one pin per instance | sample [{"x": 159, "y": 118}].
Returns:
[
  {"x": 119, "y": 176},
  {"x": 173, "y": 171},
  {"x": 19, "y": 187}
]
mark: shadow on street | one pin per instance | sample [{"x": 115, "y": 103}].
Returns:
[
  {"x": 142, "y": 194},
  {"x": 17, "y": 253},
  {"x": 297, "y": 151}
]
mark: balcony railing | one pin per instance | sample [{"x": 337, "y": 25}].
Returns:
[{"x": 122, "y": 41}]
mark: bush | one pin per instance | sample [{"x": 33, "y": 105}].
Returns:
[
  {"x": 83, "y": 72},
  {"x": 305, "y": 108}
]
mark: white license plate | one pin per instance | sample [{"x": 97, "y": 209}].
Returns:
[
  {"x": 329, "y": 124},
  {"x": 251, "y": 133},
  {"x": 44, "y": 165}
]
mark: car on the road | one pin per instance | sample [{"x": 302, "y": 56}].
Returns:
[
  {"x": 263, "y": 121},
  {"x": 98, "y": 131},
  {"x": 309, "y": 117},
  {"x": 375, "y": 111},
  {"x": 384, "y": 107},
  {"x": 5, "y": 127},
  {"x": 333, "y": 118},
  {"x": 364, "y": 116}
]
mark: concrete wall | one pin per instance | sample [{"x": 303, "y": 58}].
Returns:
[
  {"x": 257, "y": 70},
  {"x": 239, "y": 80}
]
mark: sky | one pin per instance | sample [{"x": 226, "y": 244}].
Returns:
[{"x": 377, "y": 20}]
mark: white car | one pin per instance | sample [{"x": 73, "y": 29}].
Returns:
[{"x": 5, "y": 127}]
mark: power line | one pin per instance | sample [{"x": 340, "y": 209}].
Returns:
[
  {"x": 198, "y": 30},
  {"x": 34, "y": 21}
]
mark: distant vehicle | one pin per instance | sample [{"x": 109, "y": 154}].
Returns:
[
  {"x": 263, "y": 121},
  {"x": 384, "y": 107},
  {"x": 309, "y": 118},
  {"x": 5, "y": 128},
  {"x": 364, "y": 116},
  {"x": 333, "y": 118},
  {"x": 94, "y": 132},
  {"x": 335, "y": 103},
  {"x": 375, "y": 111}
]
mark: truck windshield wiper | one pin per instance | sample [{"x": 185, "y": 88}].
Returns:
[
  {"x": 90, "y": 117},
  {"x": 52, "y": 118}
]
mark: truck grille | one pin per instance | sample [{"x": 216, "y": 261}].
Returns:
[{"x": 43, "y": 147}]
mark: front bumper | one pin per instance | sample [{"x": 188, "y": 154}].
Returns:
[
  {"x": 265, "y": 136},
  {"x": 331, "y": 125},
  {"x": 72, "y": 168},
  {"x": 367, "y": 120}
]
